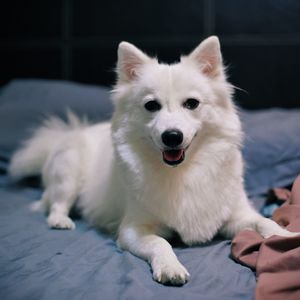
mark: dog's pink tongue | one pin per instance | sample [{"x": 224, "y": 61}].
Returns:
[{"x": 173, "y": 155}]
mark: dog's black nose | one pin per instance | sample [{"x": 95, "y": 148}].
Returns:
[{"x": 172, "y": 138}]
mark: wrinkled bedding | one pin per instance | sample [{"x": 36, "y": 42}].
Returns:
[
  {"x": 39, "y": 263},
  {"x": 275, "y": 259}
]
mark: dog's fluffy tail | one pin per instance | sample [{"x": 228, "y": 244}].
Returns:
[{"x": 31, "y": 157}]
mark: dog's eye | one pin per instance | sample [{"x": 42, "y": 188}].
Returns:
[
  {"x": 152, "y": 106},
  {"x": 191, "y": 103}
]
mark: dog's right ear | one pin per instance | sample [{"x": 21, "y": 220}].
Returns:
[{"x": 130, "y": 61}]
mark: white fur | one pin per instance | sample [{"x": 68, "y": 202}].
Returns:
[{"x": 117, "y": 172}]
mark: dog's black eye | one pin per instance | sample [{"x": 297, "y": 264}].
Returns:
[
  {"x": 152, "y": 106},
  {"x": 191, "y": 103}
]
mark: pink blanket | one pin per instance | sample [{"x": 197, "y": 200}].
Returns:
[{"x": 276, "y": 259}]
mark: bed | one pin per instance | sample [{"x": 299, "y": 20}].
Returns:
[{"x": 39, "y": 263}]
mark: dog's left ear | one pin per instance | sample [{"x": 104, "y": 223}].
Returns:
[
  {"x": 130, "y": 61},
  {"x": 208, "y": 57}
]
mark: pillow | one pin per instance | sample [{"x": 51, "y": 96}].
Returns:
[
  {"x": 271, "y": 148},
  {"x": 24, "y": 104}
]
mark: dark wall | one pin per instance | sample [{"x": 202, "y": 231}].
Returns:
[{"x": 77, "y": 40}]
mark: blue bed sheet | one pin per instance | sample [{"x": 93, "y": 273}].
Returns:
[{"x": 38, "y": 263}]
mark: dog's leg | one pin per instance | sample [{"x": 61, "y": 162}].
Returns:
[
  {"x": 144, "y": 243},
  {"x": 61, "y": 176},
  {"x": 245, "y": 217}
]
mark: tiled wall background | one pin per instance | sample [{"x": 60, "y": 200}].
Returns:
[{"x": 77, "y": 40}]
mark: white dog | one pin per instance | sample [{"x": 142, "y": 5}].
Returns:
[{"x": 169, "y": 161}]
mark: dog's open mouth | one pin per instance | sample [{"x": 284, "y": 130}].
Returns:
[{"x": 173, "y": 157}]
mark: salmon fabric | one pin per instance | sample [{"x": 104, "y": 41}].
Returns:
[{"x": 276, "y": 259}]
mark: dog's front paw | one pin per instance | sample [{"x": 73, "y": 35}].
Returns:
[
  {"x": 268, "y": 228},
  {"x": 285, "y": 233},
  {"x": 167, "y": 272},
  {"x": 58, "y": 221}
]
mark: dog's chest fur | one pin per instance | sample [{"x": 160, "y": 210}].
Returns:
[{"x": 195, "y": 203}]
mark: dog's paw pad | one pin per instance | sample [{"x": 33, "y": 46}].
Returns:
[
  {"x": 174, "y": 274},
  {"x": 58, "y": 221}
]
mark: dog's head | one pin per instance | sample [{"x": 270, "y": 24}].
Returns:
[{"x": 165, "y": 110}]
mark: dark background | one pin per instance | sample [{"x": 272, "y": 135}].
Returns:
[{"x": 77, "y": 40}]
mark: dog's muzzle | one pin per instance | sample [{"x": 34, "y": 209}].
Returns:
[{"x": 173, "y": 138}]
